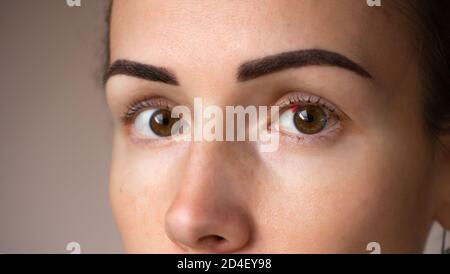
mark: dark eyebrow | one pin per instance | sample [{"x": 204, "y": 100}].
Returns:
[
  {"x": 142, "y": 71},
  {"x": 295, "y": 59}
]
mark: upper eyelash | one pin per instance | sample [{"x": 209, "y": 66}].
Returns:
[
  {"x": 295, "y": 98},
  {"x": 288, "y": 100},
  {"x": 137, "y": 106}
]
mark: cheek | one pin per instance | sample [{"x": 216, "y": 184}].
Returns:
[
  {"x": 336, "y": 199},
  {"x": 351, "y": 194},
  {"x": 142, "y": 185}
]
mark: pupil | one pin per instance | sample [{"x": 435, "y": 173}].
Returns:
[
  {"x": 162, "y": 120},
  {"x": 305, "y": 116}
]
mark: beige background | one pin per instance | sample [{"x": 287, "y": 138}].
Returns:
[{"x": 55, "y": 130}]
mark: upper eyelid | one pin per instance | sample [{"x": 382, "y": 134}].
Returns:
[
  {"x": 134, "y": 108},
  {"x": 307, "y": 98},
  {"x": 289, "y": 99}
]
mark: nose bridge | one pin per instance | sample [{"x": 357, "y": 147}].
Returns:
[
  {"x": 208, "y": 213},
  {"x": 208, "y": 174},
  {"x": 220, "y": 161},
  {"x": 205, "y": 158}
]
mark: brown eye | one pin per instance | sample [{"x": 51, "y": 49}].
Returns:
[
  {"x": 310, "y": 119},
  {"x": 161, "y": 122}
]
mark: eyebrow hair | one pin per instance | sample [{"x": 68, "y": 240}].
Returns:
[
  {"x": 295, "y": 59},
  {"x": 142, "y": 71}
]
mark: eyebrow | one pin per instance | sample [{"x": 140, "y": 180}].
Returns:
[
  {"x": 246, "y": 71},
  {"x": 142, "y": 71},
  {"x": 296, "y": 59}
]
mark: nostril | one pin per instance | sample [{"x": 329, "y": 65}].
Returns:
[{"x": 212, "y": 240}]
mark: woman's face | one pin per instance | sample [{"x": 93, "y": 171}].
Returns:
[{"x": 358, "y": 168}]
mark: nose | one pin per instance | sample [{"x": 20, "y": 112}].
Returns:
[
  {"x": 208, "y": 229},
  {"x": 208, "y": 212}
]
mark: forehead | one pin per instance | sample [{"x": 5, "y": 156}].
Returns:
[{"x": 221, "y": 34}]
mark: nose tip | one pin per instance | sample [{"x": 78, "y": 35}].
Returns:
[{"x": 208, "y": 231}]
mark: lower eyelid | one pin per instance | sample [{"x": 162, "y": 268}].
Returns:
[
  {"x": 317, "y": 139},
  {"x": 151, "y": 142},
  {"x": 141, "y": 140}
]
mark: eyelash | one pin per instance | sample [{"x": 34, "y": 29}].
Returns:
[
  {"x": 286, "y": 103},
  {"x": 293, "y": 99},
  {"x": 133, "y": 109}
]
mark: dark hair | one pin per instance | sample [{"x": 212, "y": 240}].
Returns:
[
  {"x": 432, "y": 25},
  {"x": 432, "y": 20},
  {"x": 107, "y": 50}
]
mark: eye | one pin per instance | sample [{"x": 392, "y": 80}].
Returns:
[
  {"x": 154, "y": 123},
  {"x": 308, "y": 118}
]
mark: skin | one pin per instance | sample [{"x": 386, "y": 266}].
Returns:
[{"x": 382, "y": 179}]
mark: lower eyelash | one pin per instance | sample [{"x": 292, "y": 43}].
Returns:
[{"x": 313, "y": 139}]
